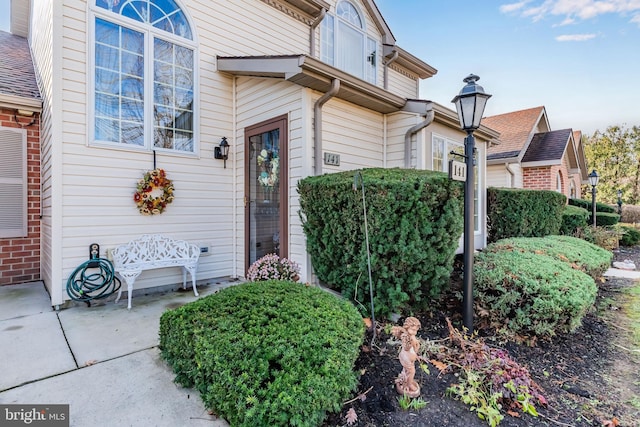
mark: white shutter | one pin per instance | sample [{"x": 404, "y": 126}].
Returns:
[{"x": 13, "y": 182}]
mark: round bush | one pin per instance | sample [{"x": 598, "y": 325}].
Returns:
[
  {"x": 269, "y": 353},
  {"x": 530, "y": 294}
]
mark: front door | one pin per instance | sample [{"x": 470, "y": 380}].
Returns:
[{"x": 266, "y": 182}]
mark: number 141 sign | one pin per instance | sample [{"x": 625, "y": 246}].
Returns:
[{"x": 457, "y": 170}]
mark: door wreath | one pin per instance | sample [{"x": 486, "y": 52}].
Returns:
[{"x": 154, "y": 192}]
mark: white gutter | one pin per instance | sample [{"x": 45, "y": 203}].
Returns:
[
  {"x": 317, "y": 121},
  {"x": 386, "y": 68},
  {"x": 512, "y": 173},
  {"x": 314, "y": 25},
  {"x": 407, "y": 136}
]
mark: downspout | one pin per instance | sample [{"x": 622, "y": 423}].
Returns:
[
  {"x": 312, "y": 37},
  {"x": 317, "y": 121},
  {"x": 234, "y": 232},
  {"x": 407, "y": 136},
  {"x": 386, "y": 68},
  {"x": 512, "y": 173}
]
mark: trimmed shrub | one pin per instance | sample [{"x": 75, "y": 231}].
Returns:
[
  {"x": 527, "y": 294},
  {"x": 271, "y": 353},
  {"x": 414, "y": 222},
  {"x": 574, "y": 218},
  {"x": 605, "y": 219},
  {"x": 586, "y": 204},
  {"x": 577, "y": 253},
  {"x": 631, "y": 236},
  {"x": 523, "y": 213}
]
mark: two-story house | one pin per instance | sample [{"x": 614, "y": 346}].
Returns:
[{"x": 294, "y": 87}]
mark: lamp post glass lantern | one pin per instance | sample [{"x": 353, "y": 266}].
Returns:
[
  {"x": 593, "y": 180},
  {"x": 470, "y": 104}
]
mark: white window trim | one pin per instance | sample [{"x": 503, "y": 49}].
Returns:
[
  {"x": 559, "y": 182},
  {"x": 478, "y": 224},
  {"x": 369, "y": 72},
  {"x": 23, "y": 230},
  {"x": 147, "y": 29}
]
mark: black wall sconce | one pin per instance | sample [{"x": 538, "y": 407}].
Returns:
[{"x": 222, "y": 152}]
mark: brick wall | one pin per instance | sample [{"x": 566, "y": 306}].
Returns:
[
  {"x": 20, "y": 257},
  {"x": 538, "y": 178},
  {"x": 544, "y": 178}
]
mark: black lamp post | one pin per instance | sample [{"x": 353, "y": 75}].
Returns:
[
  {"x": 619, "y": 202},
  {"x": 593, "y": 180},
  {"x": 470, "y": 104}
]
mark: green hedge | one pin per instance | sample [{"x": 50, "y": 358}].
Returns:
[
  {"x": 414, "y": 221},
  {"x": 268, "y": 353},
  {"x": 586, "y": 204},
  {"x": 606, "y": 219},
  {"x": 577, "y": 253},
  {"x": 523, "y": 213},
  {"x": 574, "y": 219},
  {"x": 524, "y": 293},
  {"x": 631, "y": 236}
]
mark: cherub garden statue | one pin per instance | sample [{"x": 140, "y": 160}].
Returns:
[{"x": 405, "y": 383}]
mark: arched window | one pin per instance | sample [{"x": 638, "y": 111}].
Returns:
[
  {"x": 143, "y": 75},
  {"x": 345, "y": 45},
  {"x": 559, "y": 182}
]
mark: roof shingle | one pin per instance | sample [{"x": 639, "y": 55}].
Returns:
[
  {"x": 17, "y": 75},
  {"x": 515, "y": 129},
  {"x": 547, "y": 146}
]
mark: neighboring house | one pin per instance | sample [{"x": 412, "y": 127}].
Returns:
[
  {"x": 20, "y": 107},
  {"x": 531, "y": 155},
  {"x": 296, "y": 88}
]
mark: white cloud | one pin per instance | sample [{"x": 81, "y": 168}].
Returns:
[
  {"x": 575, "y": 37},
  {"x": 572, "y": 9},
  {"x": 513, "y": 7}
]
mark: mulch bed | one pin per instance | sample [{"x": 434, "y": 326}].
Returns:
[{"x": 587, "y": 376}]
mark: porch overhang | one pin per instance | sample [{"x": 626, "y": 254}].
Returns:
[
  {"x": 314, "y": 74},
  {"x": 311, "y": 7}
]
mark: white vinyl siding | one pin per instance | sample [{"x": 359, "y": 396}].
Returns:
[
  {"x": 359, "y": 144},
  {"x": 403, "y": 83},
  {"x": 13, "y": 182}
]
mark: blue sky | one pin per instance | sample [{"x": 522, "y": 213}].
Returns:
[{"x": 578, "y": 58}]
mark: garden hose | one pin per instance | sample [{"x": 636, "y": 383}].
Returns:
[{"x": 92, "y": 280}]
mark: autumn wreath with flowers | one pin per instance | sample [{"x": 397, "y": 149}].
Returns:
[{"x": 154, "y": 192}]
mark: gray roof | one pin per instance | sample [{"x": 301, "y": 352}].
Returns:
[
  {"x": 17, "y": 75},
  {"x": 547, "y": 146}
]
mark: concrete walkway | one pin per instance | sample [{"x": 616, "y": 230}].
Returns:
[
  {"x": 103, "y": 361},
  {"x": 618, "y": 272}
]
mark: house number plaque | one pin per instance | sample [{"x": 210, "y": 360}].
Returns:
[
  {"x": 457, "y": 170},
  {"x": 332, "y": 159}
]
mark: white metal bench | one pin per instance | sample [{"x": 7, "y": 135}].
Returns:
[{"x": 154, "y": 251}]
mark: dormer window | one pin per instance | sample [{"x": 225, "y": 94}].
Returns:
[{"x": 345, "y": 45}]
